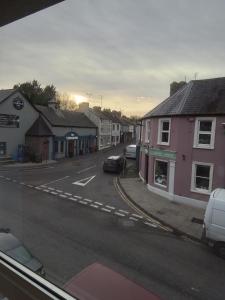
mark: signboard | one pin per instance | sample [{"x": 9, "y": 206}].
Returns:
[
  {"x": 162, "y": 153},
  {"x": 72, "y": 137},
  {"x": 9, "y": 120}
]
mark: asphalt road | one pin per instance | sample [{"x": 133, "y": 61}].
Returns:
[{"x": 68, "y": 235}]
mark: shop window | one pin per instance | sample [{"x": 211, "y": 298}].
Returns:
[
  {"x": 62, "y": 146},
  {"x": 161, "y": 169},
  {"x": 202, "y": 174},
  {"x": 56, "y": 146},
  {"x": 164, "y": 131},
  {"x": 204, "y": 133}
]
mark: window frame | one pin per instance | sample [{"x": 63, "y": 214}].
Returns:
[
  {"x": 156, "y": 183},
  {"x": 160, "y": 131},
  {"x": 197, "y": 132},
  {"x": 193, "y": 177},
  {"x": 147, "y": 131},
  {"x": 61, "y": 147}
]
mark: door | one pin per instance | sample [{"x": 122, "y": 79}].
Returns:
[
  {"x": 146, "y": 167},
  {"x": 71, "y": 148},
  {"x": 2, "y": 148}
]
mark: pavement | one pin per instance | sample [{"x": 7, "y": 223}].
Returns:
[{"x": 175, "y": 215}]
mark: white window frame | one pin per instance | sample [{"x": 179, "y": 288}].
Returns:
[
  {"x": 193, "y": 177},
  {"x": 160, "y": 131},
  {"x": 156, "y": 183},
  {"x": 198, "y": 132},
  {"x": 147, "y": 131}
]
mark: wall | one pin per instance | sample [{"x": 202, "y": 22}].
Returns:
[{"x": 16, "y": 136}]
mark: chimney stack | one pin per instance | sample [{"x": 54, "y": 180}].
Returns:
[{"x": 83, "y": 106}]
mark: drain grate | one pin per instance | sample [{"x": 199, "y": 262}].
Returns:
[{"x": 196, "y": 220}]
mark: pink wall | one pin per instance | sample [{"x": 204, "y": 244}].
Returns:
[{"x": 181, "y": 141}]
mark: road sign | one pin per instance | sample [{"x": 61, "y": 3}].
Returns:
[{"x": 84, "y": 181}]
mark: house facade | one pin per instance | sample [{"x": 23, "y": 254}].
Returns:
[
  {"x": 182, "y": 143},
  {"x": 115, "y": 128}
]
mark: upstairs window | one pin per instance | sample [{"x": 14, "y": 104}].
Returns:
[
  {"x": 204, "y": 133},
  {"x": 147, "y": 131},
  {"x": 202, "y": 174},
  {"x": 164, "y": 132}
]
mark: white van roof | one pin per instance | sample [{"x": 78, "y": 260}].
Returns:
[{"x": 219, "y": 194}]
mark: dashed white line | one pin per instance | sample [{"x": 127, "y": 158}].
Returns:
[
  {"x": 50, "y": 188},
  {"x": 123, "y": 211},
  {"x": 150, "y": 224},
  {"x": 38, "y": 188},
  {"x": 93, "y": 205},
  {"x": 63, "y": 196},
  {"x": 30, "y": 185},
  {"x": 119, "y": 214},
  {"x": 47, "y": 191},
  {"x": 54, "y": 193},
  {"x": 73, "y": 199},
  {"x": 137, "y": 216},
  {"x": 82, "y": 202},
  {"x": 68, "y": 194},
  {"x": 23, "y": 183},
  {"x": 110, "y": 207},
  {"x": 133, "y": 219},
  {"x": 106, "y": 210},
  {"x": 44, "y": 186},
  {"x": 98, "y": 203},
  {"x": 59, "y": 191},
  {"x": 88, "y": 200}
]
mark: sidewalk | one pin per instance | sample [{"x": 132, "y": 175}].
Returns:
[
  {"x": 175, "y": 215},
  {"x": 30, "y": 165}
]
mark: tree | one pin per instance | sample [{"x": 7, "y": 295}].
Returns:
[
  {"x": 65, "y": 102},
  {"x": 34, "y": 93},
  {"x": 97, "y": 108}
]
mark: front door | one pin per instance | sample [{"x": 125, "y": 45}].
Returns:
[
  {"x": 2, "y": 148},
  {"x": 71, "y": 148}
]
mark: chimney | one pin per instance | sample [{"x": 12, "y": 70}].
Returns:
[
  {"x": 53, "y": 104},
  {"x": 175, "y": 86},
  {"x": 83, "y": 106}
]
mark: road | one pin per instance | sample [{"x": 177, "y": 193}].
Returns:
[{"x": 53, "y": 218}]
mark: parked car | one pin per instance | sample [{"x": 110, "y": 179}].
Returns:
[
  {"x": 101, "y": 283},
  {"x": 130, "y": 151},
  {"x": 114, "y": 164},
  {"x": 214, "y": 222},
  {"x": 12, "y": 247}
]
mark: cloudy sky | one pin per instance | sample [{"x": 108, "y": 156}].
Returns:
[{"x": 128, "y": 51}]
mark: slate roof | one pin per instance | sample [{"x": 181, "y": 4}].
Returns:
[
  {"x": 65, "y": 118},
  {"x": 100, "y": 114},
  {"x": 39, "y": 128},
  {"x": 4, "y": 94},
  {"x": 198, "y": 97},
  {"x": 112, "y": 117}
]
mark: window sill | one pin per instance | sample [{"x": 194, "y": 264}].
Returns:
[
  {"x": 203, "y": 147},
  {"x": 163, "y": 144},
  {"x": 202, "y": 192},
  {"x": 160, "y": 185}
]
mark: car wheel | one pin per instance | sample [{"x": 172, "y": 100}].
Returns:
[{"x": 220, "y": 249}]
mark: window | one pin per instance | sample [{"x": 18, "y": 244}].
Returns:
[
  {"x": 118, "y": 127},
  {"x": 62, "y": 146},
  {"x": 113, "y": 126},
  {"x": 160, "y": 176},
  {"x": 202, "y": 174},
  {"x": 147, "y": 131},
  {"x": 56, "y": 146},
  {"x": 164, "y": 131},
  {"x": 204, "y": 133}
]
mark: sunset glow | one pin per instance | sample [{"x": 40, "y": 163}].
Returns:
[{"x": 79, "y": 99}]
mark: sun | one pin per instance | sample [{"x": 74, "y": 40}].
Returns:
[{"x": 79, "y": 99}]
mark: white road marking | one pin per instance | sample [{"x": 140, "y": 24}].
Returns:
[
  {"x": 119, "y": 214},
  {"x": 23, "y": 183},
  {"x": 84, "y": 181},
  {"x": 88, "y": 200},
  {"x": 84, "y": 170},
  {"x": 44, "y": 186},
  {"x": 110, "y": 207},
  {"x": 133, "y": 219},
  {"x": 93, "y": 205},
  {"x": 68, "y": 194},
  {"x": 137, "y": 216},
  {"x": 30, "y": 185},
  {"x": 150, "y": 224},
  {"x": 54, "y": 193},
  {"x": 105, "y": 209},
  {"x": 78, "y": 197},
  {"x": 14, "y": 180},
  {"x": 71, "y": 198},
  {"x": 7, "y": 178},
  {"x": 47, "y": 191},
  {"x": 98, "y": 203},
  {"x": 82, "y": 202},
  {"x": 38, "y": 188},
  {"x": 50, "y": 188},
  {"x": 59, "y": 191},
  {"x": 56, "y": 180},
  {"x": 123, "y": 211},
  {"x": 63, "y": 196}
]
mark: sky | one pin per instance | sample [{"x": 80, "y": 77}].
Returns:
[{"x": 126, "y": 51}]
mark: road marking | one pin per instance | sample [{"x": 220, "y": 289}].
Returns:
[
  {"x": 59, "y": 191},
  {"x": 63, "y": 196},
  {"x": 119, "y": 214},
  {"x": 23, "y": 183},
  {"x": 82, "y": 202},
  {"x": 30, "y": 185},
  {"x": 50, "y": 188},
  {"x": 38, "y": 188},
  {"x": 150, "y": 224},
  {"x": 47, "y": 191},
  {"x": 54, "y": 193},
  {"x": 137, "y": 216},
  {"x": 93, "y": 205},
  {"x": 98, "y": 203},
  {"x": 7, "y": 178},
  {"x": 88, "y": 200},
  {"x": 133, "y": 219},
  {"x": 83, "y": 182},
  {"x": 123, "y": 211},
  {"x": 105, "y": 209},
  {"x": 71, "y": 198},
  {"x": 44, "y": 186},
  {"x": 84, "y": 170},
  {"x": 110, "y": 207},
  {"x": 14, "y": 180},
  {"x": 78, "y": 197},
  {"x": 56, "y": 180},
  {"x": 68, "y": 194}
]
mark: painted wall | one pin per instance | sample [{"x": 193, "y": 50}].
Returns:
[
  {"x": 116, "y": 128},
  {"x": 16, "y": 136}
]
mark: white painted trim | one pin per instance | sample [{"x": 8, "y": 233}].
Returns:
[
  {"x": 193, "y": 188},
  {"x": 172, "y": 166},
  {"x": 159, "y": 142},
  {"x": 196, "y": 133},
  {"x": 142, "y": 178},
  {"x": 179, "y": 199}
]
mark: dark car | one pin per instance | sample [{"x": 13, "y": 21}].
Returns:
[
  {"x": 12, "y": 247},
  {"x": 114, "y": 164}
]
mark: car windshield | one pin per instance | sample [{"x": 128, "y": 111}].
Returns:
[{"x": 112, "y": 143}]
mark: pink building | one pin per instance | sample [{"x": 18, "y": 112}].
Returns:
[{"x": 183, "y": 143}]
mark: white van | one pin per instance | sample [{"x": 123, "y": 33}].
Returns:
[
  {"x": 130, "y": 151},
  {"x": 214, "y": 222}
]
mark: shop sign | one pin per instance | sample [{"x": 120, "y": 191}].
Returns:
[
  {"x": 162, "y": 153},
  {"x": 72, "y": 136}
]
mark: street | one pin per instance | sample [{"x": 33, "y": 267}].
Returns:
[{"x": 70, "y": 214}]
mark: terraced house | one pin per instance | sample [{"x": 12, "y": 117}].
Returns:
[{"x": 183, "y": 143}]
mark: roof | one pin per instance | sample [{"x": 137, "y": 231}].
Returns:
[
  {"x": 4, "y": 94},
  {"x": 198, "y": 97},
  {"x": 65, "y": 118},
  {"x": 100, "y": 114},
  {"x": 39, "y": 128}
]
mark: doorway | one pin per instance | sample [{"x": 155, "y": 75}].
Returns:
[{"x": 71, "y": 148}]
